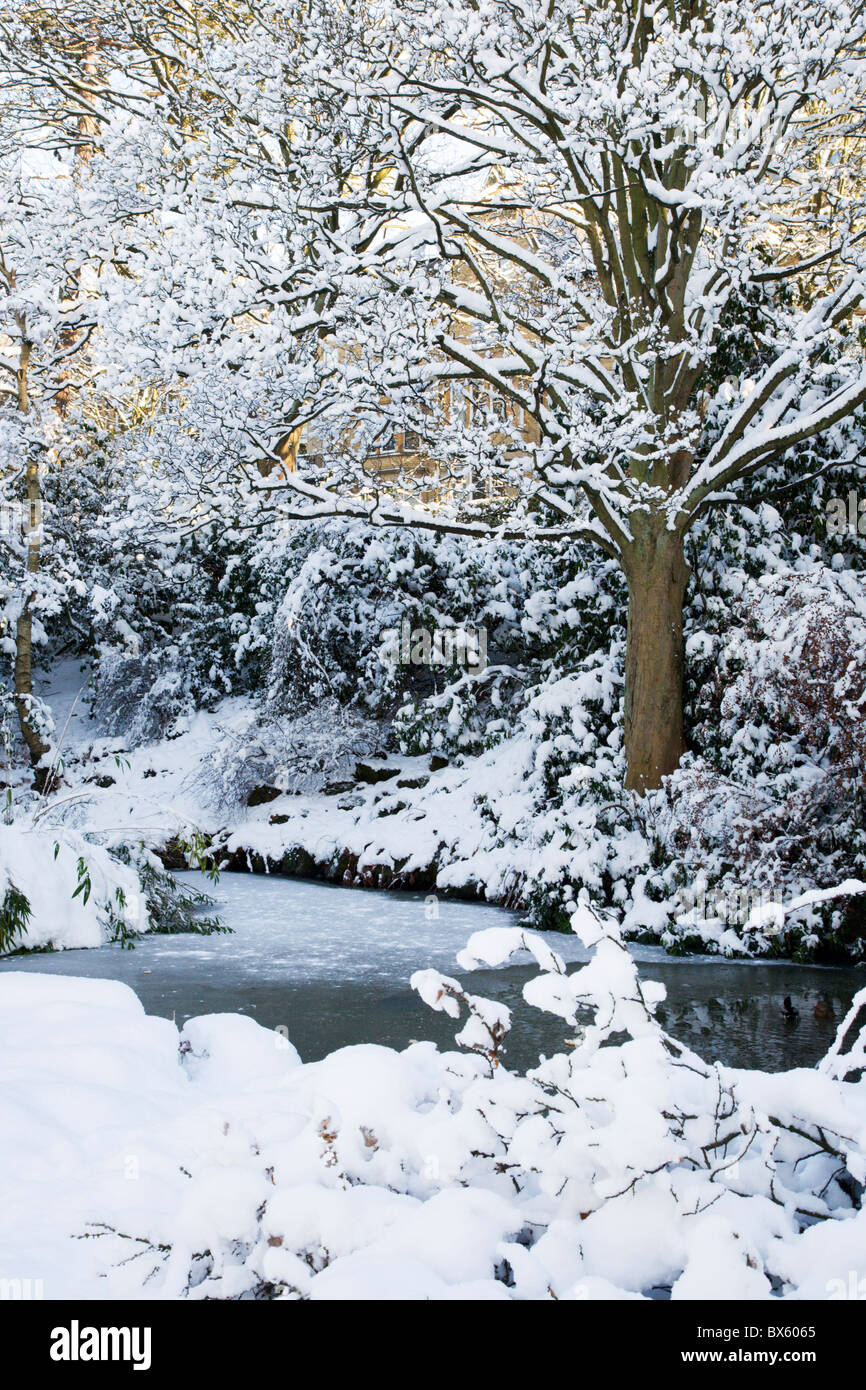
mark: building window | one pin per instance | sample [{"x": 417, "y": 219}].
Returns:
[
  {"x": 484, "y": 402},
  {"x": 385, "y": 441}
]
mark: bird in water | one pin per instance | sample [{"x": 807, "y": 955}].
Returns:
[
  {"x": 824, "y": 1010},
  {"x": 788, "y": 1010}
]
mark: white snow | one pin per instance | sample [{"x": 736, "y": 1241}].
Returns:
[{"x": 140, "y": 1161}]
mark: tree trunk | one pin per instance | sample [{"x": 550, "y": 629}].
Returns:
[
  {"x": 87, "y": 127},
  {"x": 23, "y": 674},
  {"x": 657, "y": 576},
  {"x": 32, "y": 526}
]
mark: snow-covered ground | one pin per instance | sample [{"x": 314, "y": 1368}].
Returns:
[
  {"x": 158, "y": 791},
  {"x": 102, "y": 1114}
]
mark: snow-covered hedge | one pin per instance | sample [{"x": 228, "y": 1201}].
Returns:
[{"x": 214, "y": 1164}]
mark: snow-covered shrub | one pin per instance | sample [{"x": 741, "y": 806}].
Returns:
[
  {"x": 254, "y": 748},
  {"x": 357, "y": 583},
  {"x": 70, "y": 892},
  {"x": 59, "y": 890},
  {"x": 562, "y": 609},
  {"x": 140, "y": 698},
  {"x": 170, "y": 621},
  {"x": 774, "y": 801},
  {"x": 171, "y": 629}
]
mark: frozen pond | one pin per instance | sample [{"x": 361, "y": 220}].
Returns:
[{"x": 331, "y": 965}]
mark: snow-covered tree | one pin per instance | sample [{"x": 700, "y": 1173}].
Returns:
[
  {"x": 598, "y": 187},
  {"x": 52, "y": 238},
  {"x": 253, "y": 293},
  {"x": 579, "y": 200},
  {"x": 416, "y": 211}
]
